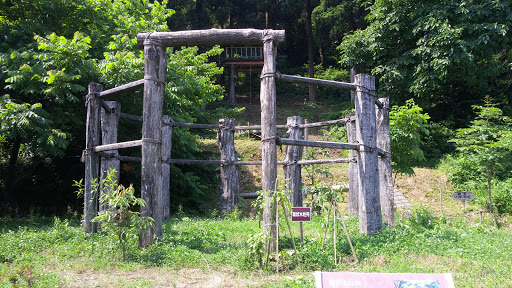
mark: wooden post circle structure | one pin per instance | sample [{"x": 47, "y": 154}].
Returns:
[{"x": 371, "y": 174}]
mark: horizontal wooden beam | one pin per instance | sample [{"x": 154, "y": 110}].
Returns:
[
  {"x": 116, "y": 146},
  {"x": 249, "y": 195},
  {"x": 210, "y": 37},
  {"x": 125, "y": 87},
  {"x": 325, "y": 123},
  {"x": 314, "y": 81},
  {"x": 192, "y": 125},
  {"x": 325, "y": 161},
  {"x": 130, "y": 116},
  {"x": 322, "y": 144}
]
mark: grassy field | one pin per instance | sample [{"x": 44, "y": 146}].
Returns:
[{"x": 209, "y": 252}]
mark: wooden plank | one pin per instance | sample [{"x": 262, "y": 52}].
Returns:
[
  {"x": 370, "y": 217},
  {"x": 322, "y": 144},
  {"x": 353, "y": 169},
  {"x": 229, "y": 172},
  {"x": 268, "y": 137},
  {"x": 385, "y": 169},
  {"x": 155, "y": 67},
  {"x": 325, "y": 161},
  {"x": 232, "y": 95},
  {"x": 292, "y": 171},
  {"x": 193, "y": 125},
  {"x": 166, "y": 167},
  {"x": 131, "y": 117},
  {"x": 258, "y": 127},
  {"x": 120, "y": 145},
  {"x": 324, "y": 123},
  {"x": 92, "y": 160},
  {"x": 109, "y": 124},
  {"x": 314, "y": 81},
  {"x": 122, "y": 88},
  {"x": 211, "y": 37},
  {"x": 196, "y": 162}
]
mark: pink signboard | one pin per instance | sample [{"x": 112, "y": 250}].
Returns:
[
  {"x": 382, "y": 280},
  {"x": 301, "y": 214}
]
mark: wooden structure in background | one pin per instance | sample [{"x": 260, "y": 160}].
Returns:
[{"x": 157, "y": 132}]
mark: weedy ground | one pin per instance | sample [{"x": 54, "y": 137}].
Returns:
[{"x": 209, "y": 252}]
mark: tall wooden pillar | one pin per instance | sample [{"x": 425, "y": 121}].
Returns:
[
  {"x": 232, "y": 92},
  {"x": 292, "y": 170},
  {"x": 268, "y": 136},
  {"x": 109, "y": 124},
  {"x": 370, "y": 217},
  {"x": 353, "y": 169},
  {"x": 154, "y": 88},
  {"x": 229, "y": 172},
  {"x": 166, "y": 166},
  {"x": 385, "y": 172},
  {"x": 92, "y": 160}
]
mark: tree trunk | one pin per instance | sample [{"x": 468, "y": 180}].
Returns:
[
  {"x": 309, "y": 31},
  {"x": 11, "y": 169}
]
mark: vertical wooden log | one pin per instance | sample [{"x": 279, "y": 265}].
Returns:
[
  {"x": 166, "y": 167},
  {"x": 387, "y": 200},
  {"x": 151, "y": 172},
  {"x": 232, "y": 95},
  {"x": 353, "y": 170},
  {"x": 109, "y": 124},
  {"x": 229, "y": 172},
  {"x": 370, "y": 217},
  {"x": 268, "y": 136},
  {"x": 292, "y": 171},
  {"x": 92, "y": 160}
]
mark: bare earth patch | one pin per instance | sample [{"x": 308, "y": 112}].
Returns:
[{"x": 164, "y": 277}]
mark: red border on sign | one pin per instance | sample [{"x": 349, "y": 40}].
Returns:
[{"x": 301, "y": 214}]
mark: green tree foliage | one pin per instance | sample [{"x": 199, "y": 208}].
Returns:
[
  {"x": 445, "y": 54},
  {"x": 331, "y": 21},
  {"x": 51, "y": 49},
  {"x": 484, "y": 150},
  {"x": 406, "y": 124}
]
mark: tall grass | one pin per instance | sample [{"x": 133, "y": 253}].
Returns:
[{"x": 37, "y": 252}]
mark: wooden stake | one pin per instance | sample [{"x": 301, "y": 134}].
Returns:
[
  {"x": 109, "y": 123},
  {"x": 353, "y": 169},
  {"x": 229, "y": 172},
  {"x": 348, "y": 238},
  {"x": 370, "y": 217},
  {"x": 387, "y": 198},
  {"x": 292, "y": 171},
  {"x": 268, "y": 135},
  {"x": 155, "y": 67},
  {"x": 334, "y": 235},
  {"x": 290, "y": 230},
  {"x": 166, "y": 167},
  {"x": 92, "y": 160}
]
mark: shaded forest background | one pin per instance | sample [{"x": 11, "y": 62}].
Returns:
[{"x": 450, "y": 57}]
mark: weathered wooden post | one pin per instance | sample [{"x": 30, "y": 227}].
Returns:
[
  {"x": 268, "y": 136},
  {"x": 166, "y": 166},
  {"x": 370, "y": 217},
  {"x": 92, "y": 160},
  {"x": 154, "y": 87},
  {"x": 353, "y": 169},
  {"x": 292, "y": 170},
  {"x": 232, "y": 95},
  {"x": 385, "y": 173},
  {"x": 229, "y": 172},
  {"x": 109, "y": 124}
]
